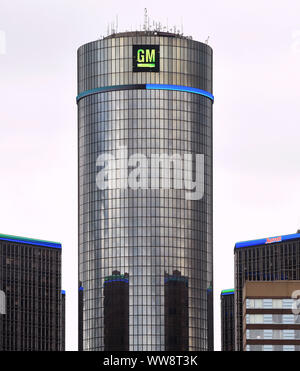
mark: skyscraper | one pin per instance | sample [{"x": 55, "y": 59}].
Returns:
[
  {"x": 266, "y": 259},
  {"x": 227, "y": 320},
  {"x": 80, "y": 317},
  {"x": 142, "y": 97},
  {"x": 116, "y": 312},
  {"x": 30, "y": 277},
  {"x": 176, "y": 312}
]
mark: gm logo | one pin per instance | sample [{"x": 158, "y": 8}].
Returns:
[{"x": 145, "y": 58}]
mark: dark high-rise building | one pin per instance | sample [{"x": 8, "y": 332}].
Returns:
[
  {"x": 227, "y": 320},
  {"x": 144, "y": 96},
  {"x": 116, "y": 312},
  {"x": 176, "y": 312},
  {"x": 30, "y": 277},
  {"x": 268, "y": 259},
  {"x": 210, "y": 319},
  {"x": 63, "y": 319},
  {"x": 80, "y": 317}
]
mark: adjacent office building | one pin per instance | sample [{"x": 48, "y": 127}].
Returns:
[
  {"x": 176, "y": 312},
  {"x": 227, "y": 320},
  {"x": 271, "y": 318},
  {"x": 263, "y": 260},
  {"x": 142, "y": 95},
  {"x": 80, "y": 317},
  {"x": 63, "y": 320},
  {"x": 116, "y": 312},
  {"x": 32, "y": 305}
]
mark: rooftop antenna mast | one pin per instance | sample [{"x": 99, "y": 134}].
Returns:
[{"x": 145, "y": 19}]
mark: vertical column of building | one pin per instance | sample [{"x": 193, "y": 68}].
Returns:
[
  {"x": 210, "y": 318},
  {"x": 176, "y": 312},
  {"x": 227, "y": 320},
  {"x": 116, "y": 312},
  {"x": 80, "y": 317},
  {"x": 63, "y": 320}
]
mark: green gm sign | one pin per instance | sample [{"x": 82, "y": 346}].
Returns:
[{"x": 145, "y": 58}]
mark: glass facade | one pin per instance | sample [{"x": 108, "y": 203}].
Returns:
[
  {"x": 227, "y": 321},
  {"x": 146, "y": 233}
]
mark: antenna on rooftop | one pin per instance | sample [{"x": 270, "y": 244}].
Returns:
[
  {"x": 145, "y": 19},
  {"x": 206, "y": 41}
]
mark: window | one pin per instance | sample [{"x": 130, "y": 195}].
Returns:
[
  {"x": 268, "y": 348},
  {"x": 289, "y": 348},
  {"x": 288, "y": 334}
]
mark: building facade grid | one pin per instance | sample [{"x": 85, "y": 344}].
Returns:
[
  {"x": 30, "y": 277},
  {"x": 264, "y": 262},
  {"x": 146, "y": 232}
]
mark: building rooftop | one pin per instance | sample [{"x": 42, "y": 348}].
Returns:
[
  {"x": 29, "y": 241},
  {"x": 147, "y": 33},
  {"x": 227, "y": 292},
  {"x": 267, "y": 241}
]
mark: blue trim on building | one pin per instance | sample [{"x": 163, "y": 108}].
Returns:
[
  {"x": 33, "y": 242},
  {"x": 80, "y": 288},
  {"x": 186, "y": 89},
  {"x": 106, "y": 89},
  {"x": 267, "y": 241},
  {"x": 63, "y": 292},
  {"x": 227, "y": 292}
]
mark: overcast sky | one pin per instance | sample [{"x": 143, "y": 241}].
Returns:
[{"x": 256, "y": 118}]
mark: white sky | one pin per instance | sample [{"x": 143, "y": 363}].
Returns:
[{"x": 256, "y": 116}]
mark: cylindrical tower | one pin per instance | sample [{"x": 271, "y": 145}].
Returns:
[{"x": 143, "y": 97}]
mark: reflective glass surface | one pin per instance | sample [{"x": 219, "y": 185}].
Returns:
[{"x": 149, "y": 234}]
